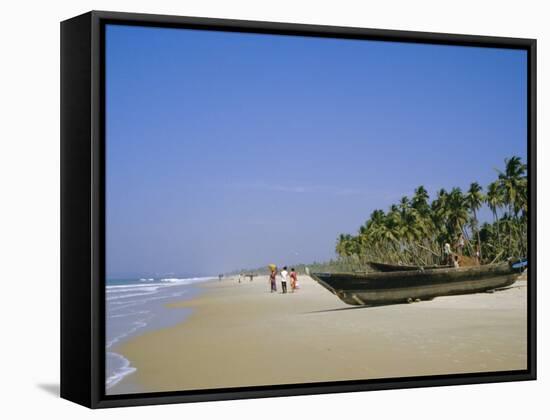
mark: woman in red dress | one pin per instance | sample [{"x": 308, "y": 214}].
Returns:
[{"x": 293, "y": 279}]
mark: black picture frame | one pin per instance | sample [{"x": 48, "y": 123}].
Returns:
[{"x": 83, "y": 210}]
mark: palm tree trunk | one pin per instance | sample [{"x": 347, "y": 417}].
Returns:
[
  {"x": 497, "y": 222},
  {"x": 467, "y": 239},
  {"x": 478, "y": 237}
]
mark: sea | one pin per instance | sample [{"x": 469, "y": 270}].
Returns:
[{"x": 135, "y": 306}]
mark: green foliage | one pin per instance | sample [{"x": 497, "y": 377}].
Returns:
[{"x": 414, "y": 231}]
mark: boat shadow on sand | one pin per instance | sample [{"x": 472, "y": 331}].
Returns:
[
  {"x": 349, "y": 308},
  {"x": 371, "y": 306}
]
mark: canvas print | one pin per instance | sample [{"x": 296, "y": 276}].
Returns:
[{"x": 287, "y": 209}]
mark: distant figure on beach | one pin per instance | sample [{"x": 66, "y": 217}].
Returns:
[
  {"x": 284, "y": 277},
  {"x": 273, "y": 278},
  {"x": 293, "y": 280},
  {"x": 460, "y": 245},
  {"x": 455, "y": 262},
  {"x": 220, "y": 277},
  {"x": 448, "y": 254},
  {"x": 240, "y": 277}
]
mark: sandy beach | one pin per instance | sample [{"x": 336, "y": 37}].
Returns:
[{"x": 240, "y": 334}]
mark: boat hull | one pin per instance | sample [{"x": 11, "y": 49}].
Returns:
[{"x": 403, "y": 286}]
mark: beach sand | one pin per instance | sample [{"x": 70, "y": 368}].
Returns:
[{"x": 243, "y": 335}]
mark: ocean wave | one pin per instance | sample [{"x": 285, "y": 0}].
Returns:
[
  {"x": 130, "y": 286},
  {"x": 136, "y": 325},
  {"x": 118, "y": 367},
  {"x": 122, "y": 292},
  {"x": 124, "y": 304},
  {"x": 128, "y": 295},
  {"x": 164, "y": 282},
  {"x": 136, "y": 307},
  {"x": 186, "y": 280}
]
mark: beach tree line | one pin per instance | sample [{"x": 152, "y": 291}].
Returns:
[{"x": 415, "y": 230}]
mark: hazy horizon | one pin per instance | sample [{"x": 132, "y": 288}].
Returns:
[{"x": 232, "y": 150}]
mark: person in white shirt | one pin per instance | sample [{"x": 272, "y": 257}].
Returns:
[
  {"x": 284, "y": 277},
  {"x": 273, "y": 278},
  {"x": 448, "y": 254}
]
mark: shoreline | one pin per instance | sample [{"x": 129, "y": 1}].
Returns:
[
  {"x": 241, "y": 335},
  {"x": 154, "y": 317}
]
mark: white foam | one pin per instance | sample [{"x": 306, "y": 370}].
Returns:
[
  {"x": 129, "y": 314},
  {"x": 129, "y": 303},
  {"x": 118, "y": 373},
  {"x": 186, "y": 280},
  {"x": 136, "y": 326},
  {"x": 113, "y": 289},
  {"x": 122, "y": 296}
]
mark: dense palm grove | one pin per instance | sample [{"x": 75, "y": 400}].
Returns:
[{"x": 415, "y": 230}]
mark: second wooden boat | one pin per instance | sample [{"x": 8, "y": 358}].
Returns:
[{"x": 383, "y": 267}]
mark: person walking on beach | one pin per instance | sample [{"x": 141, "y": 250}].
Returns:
[
  {"x": 460, "y": 245},
  {"x": 273, "y": 278},
  {"x": 284, "y": 277},
  {"x": 293, "y": 280}
]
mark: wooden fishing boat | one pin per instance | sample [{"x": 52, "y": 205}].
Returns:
[
  {"x": 379, "y": 288},
  {"x": 376, "y": 266}
]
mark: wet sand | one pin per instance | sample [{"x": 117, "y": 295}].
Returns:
[{"x": 243, "y": 335}]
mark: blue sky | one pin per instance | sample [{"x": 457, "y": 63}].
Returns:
[{"x": 230, "y": 150}]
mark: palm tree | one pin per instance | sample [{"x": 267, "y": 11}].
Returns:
[
  {"x": 495, "y": 200},
  {"x": 439, "y": 208},
  {"x": 439, "y": 219},
  {"x": 415, "y": 230},
  {"x": 421, "y": 205},
  {"x": 474, "y": 200},
  {"x": 522, "y": 198},
  {"x": 376, "y": 218},
  {"x": 420, "y": 200},
  {"x": 404, "y": 204},
  {"x": 512, "y": 182},
  {"x": 457, "y": 212},
  {"x": 342, "y": 245}
]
